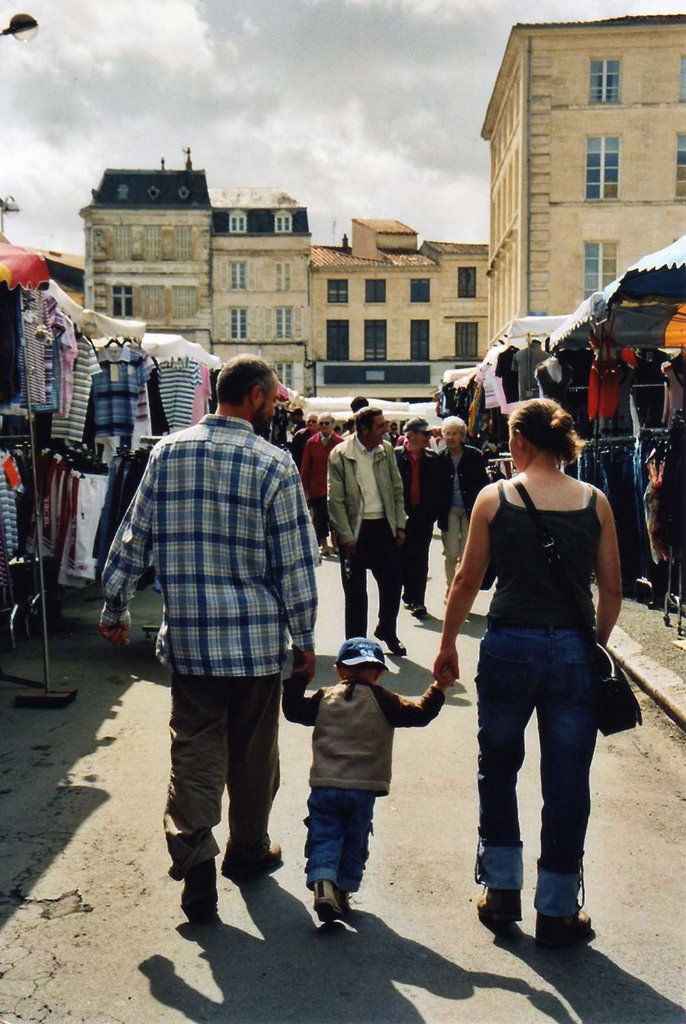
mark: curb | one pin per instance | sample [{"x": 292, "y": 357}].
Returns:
[{"x": 665, "y": 687}]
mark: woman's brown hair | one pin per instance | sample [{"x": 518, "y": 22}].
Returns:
[{"x": 549, "y": 427}]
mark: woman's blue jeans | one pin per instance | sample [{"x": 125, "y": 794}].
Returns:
[
  {"x": 551, "y": 671},
  {"x": 337, "y": 845}
]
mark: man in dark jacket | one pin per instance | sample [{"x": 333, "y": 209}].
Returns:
[
  {"x": 463, "y": 474},
  {"x": 302, "y": 436},
  {"x": 422, "y": 490}
]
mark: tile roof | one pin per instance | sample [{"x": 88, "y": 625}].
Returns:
[
  {"x": 622, "y": 20},
  {"x": 336, "y": 256},
  {"x": 459, "y": 248},
  {"x": 385, "y": 227},
  {"x": 403, "y": 258}
]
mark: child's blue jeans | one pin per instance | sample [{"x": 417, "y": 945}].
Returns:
[{"x": 337, "y": 846}]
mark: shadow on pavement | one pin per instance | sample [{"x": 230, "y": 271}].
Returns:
[
  {"x": 596, "y": 988},
  {"x": 43, "y": 799},
  {"x": 296, "y": 971}
]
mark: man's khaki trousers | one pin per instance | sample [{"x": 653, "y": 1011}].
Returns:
[{"x": 224, "y": 734}]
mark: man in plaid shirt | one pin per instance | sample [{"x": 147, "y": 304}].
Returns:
[{"x": 221, "y": 515}]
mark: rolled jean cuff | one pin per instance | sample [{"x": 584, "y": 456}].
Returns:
[
  {"x": 500, "y": 867},
  {"x": 321, "y": 875},
  {"x": 557, "y": 894}
]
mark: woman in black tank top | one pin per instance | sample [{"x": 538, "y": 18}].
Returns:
[{"x": 534, "y": 658}]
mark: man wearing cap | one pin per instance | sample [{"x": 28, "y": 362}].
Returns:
[
  {"x": 420, "y": 472},
  {"x": 367, "y": 514}
]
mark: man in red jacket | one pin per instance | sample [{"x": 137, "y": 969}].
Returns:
[{"x": 313, "y": 472}]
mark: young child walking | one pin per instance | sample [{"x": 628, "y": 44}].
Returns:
[{"x": 354, "y": 721}]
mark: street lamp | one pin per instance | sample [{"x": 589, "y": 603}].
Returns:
[
  {"x": 22, "y": 26},
  {"x": 8, "y": 205}
]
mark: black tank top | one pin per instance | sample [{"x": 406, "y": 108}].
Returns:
[{"x": 526, "y": 591}]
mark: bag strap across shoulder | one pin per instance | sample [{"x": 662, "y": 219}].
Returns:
[{"x": 554, "y": 560}]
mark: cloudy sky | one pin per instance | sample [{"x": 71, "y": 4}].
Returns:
[{"x": 355, "y": 107}]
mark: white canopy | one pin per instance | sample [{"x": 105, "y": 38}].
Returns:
[
  {"x": 164, "y": 347},
  {"x": 533, "y": 327},
  {"x": 340, "y": 408},
  {"x": 92, "y": 324}
]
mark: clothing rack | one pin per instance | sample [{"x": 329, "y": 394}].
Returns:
[{"x": 35, "y": 695}]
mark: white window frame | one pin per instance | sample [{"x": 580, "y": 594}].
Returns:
[
  {"x": 238, "y": 276},
  {"x": 599, "y": 69},
  {"x": 600, "y": 266},
  {"x": 122, "y": 295},
  {"x": 604, "y": 151},
  {"x": 285, "y": 372},
  {"x": 284, "y": 323},
  {"x": 283, "y": 222},
  {"x": 238, "y": 222},
  {"x": 680, "y": 190},
  {"x": 238, "y": 323}
]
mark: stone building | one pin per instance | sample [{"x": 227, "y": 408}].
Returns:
[
  {"x": 148, "y": 237},
  {"x": 260, "y": 266},
  {"x": 587, "y": 133},
  {"x": 389, "y": 317}
]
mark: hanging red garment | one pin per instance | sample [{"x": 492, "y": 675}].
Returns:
[{"x": 604, "y": 383}]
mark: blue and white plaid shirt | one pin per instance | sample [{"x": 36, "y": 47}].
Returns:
[{"x": 221, "y": 515}]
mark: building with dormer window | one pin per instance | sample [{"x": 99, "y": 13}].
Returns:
[
  {"x": 260, "y": 278},
  {"x": 148, "y": 236}
]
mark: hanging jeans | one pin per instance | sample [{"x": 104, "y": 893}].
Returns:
[{"x": 548, "y": 670}]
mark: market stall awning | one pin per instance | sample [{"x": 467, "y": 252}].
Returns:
[
  {"x": 175, "y": 346},
  {"x": 573, "y": 331},
  {"x": 20, "y": 268},
  {"x": 647, "y": 304},
  {"x": 660, "y": 276},
  {"x": 92, "y": 324},
  {"x": 525, "y": 327}
]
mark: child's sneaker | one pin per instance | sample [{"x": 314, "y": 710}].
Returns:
[
  {"x": 326, "y": 905},
  {"x": 343, "y": 899}
]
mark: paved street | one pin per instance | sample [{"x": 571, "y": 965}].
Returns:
[{"x": 91, "y": 926}]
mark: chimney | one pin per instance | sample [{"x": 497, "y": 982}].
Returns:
[
  {"x": 162, "y": 164},
  {"x": 344, "y": 244}
]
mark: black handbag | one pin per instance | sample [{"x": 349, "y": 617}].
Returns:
[{"x": 617, "y": 707}]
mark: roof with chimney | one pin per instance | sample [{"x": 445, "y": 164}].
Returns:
[{"x": 340, "y": 256}]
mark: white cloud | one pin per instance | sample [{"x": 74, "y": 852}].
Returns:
[{"x": 354, "y": 106}]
